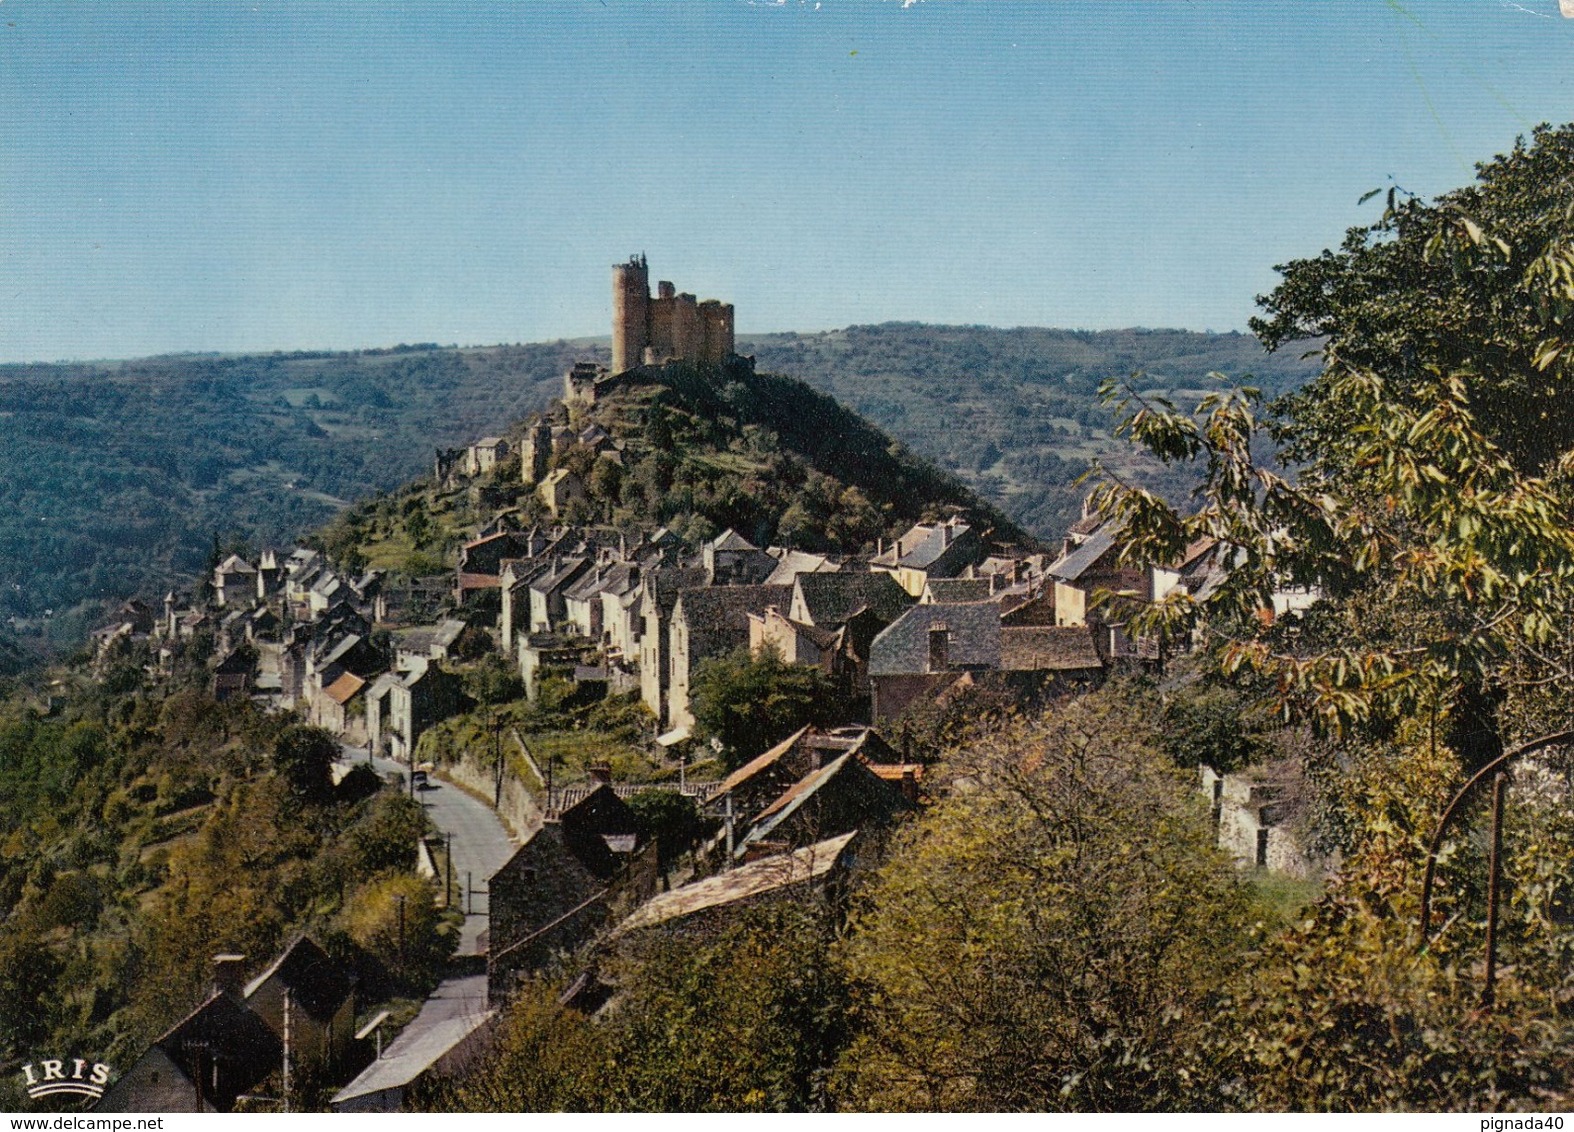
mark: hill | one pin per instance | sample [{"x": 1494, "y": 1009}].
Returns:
[
  {"x": 120, "y": 476},
  {"x": 695, "y": 450},
  {"x": 1015, "y": 413}
]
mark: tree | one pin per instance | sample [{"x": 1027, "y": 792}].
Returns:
[
  {"x": 1435, "y": 520},
  {"x": 395, "y": 919},
  {"x": 1045, "y": 937},
  {"x": 303, "y": 756},
  {"x": 749, "y": 702},
  {"x": 1475, "y": 284},
  {"x": 673, "y": 819}
]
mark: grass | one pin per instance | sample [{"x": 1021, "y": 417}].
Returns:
[{"x": 1281, "y": 898}]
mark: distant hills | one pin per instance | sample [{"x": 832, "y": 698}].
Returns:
[{"x": 119, "y": 477}]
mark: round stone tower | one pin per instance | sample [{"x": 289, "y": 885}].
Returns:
[{"x": 630, "y": 313}]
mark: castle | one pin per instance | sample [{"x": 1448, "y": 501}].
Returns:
[{"x": 669, "y": 327}]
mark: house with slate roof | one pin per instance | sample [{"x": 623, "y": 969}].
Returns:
[
  {"x": 234, "y": 581},
  {"x": 931, "y": 550},
  {"x": 548, "y": 590},
  {"x": 708, "y": 623},
  {"x": 658, "y": 595},
  {"x": 926, "y": 649},
  {"x": 562, "y": 885},
  {"x": 217, "y": 1053},
  {"x": 321, "y": 994},
  {"x": 732, "y": 560}
]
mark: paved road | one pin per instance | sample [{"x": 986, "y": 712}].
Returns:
[{"x": 481, "y": 845}]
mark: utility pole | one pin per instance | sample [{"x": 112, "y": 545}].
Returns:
[
  {"x": 401, "y": 933},
  {"x": 286, "y": 1089},
  {"x": 448, "y": 859},
  {"x": 728, "y": 819},
  {"x": 497, "y": 761}
]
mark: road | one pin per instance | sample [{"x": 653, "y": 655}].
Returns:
[{"x": 480, "y": 844}]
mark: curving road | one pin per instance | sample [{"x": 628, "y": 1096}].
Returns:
[{"x": 480, "y": 844}]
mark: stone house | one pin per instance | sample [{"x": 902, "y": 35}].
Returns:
[
  {"x": 234, "y": 581},
  {"x": 658, "y": 595},
  {"x": 428, "y": 642},
  {"x": 563, "y": 884},
  {"x": 321, "y": 1002},
  {"x": 547, "y": 589},
  {"x": 341, "y": 706},
  {"x": 794, "y": 641},
  {"x": 926, "y": 649},
  {"x": 930, "y": 550},
  {"x": 732, "y": 560},
  {"x": 620, "y": 623},
  {"x": 560, "y": 488},
  {"x": 485, "y": 454},
  {"x": 708, "y": 623},
  {"x": 1258, "y": 815},
  {"x": 216, "y": 1054},
  {"x": 402, "y": 706}
]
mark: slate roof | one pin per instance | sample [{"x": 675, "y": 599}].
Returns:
[
  {"x": 318, "y": 983},
  {"x": 1047, "y": 648},
  {"x": 902, "y": 648},
  {"x": 749, "y": 769},
  {"x": 923, "y": 544},
  {"x": 753, "y": 879},
  {"x": 730, "y": 539},
  {"x": 412, "y": 1053},
  {"x": 791, "y": 563},
  {"x": 1072, "y": 566},
  {"x": 830, "y": 599},
  {"x": 423, "y": 638},
  {"x": 235, "y": 564},
  {"x": 945, "y": 590},
  {"x": 718, "y": 616},
  {"x": 226, "y": 1031},
  {"x": 560, "y": 575},
  {"x": 668, "y": 581}
]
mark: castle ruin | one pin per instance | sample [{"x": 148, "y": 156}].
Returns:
[{"x": 669, "y": 327}]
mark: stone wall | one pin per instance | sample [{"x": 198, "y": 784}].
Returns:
[{"x": 520, "y": 811}]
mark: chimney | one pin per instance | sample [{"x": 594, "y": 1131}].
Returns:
[
  {"x": 939, "y": 648},
  {"x": 600, "y": 774},
  {"x": 945, "y": 533},
  {"x": 229, "y": 973},
  {"x": 879, "y": 545}
]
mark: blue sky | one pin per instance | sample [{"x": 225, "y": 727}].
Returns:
[{"x": 264, "y": 175}]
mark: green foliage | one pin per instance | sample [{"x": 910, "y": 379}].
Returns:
[
  {"x": 673, "y": 819},
  {"x": 752, "y": 702},
  {"x": 1043, "y": 938},
  {"x": 492, "y": 680},
  {"x": 742, "y": 1020},
  {"x": 372, "y": 920},
  {"x": 303, "y": 756}
]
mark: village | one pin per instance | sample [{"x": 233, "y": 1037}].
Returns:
[{"x": 941, "y": 612}]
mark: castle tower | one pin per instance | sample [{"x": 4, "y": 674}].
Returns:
[
  {"x": 716, "y": 334},
  {"x": 630, "y": 313}
]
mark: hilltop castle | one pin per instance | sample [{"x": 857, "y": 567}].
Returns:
[{"x": 670, "y": 327}]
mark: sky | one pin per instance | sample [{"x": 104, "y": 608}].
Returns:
[{"x": 262, "y": 175}]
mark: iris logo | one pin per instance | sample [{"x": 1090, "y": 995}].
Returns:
[{"x": 52, "y": 1077}]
